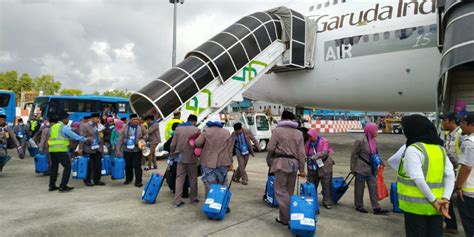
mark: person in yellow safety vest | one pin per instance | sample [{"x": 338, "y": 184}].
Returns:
[
  {"x": 169, "y": 124},
  {"x": 425, "y": 179},
  {"x": 58, "y": 148},
  {"x": 32, "y": 126},
  {"x": 452, "y": 137},
  {"x": 465, "y": 181}
]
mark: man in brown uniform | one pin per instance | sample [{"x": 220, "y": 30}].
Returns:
[
  {"x": 128, "y": 141},
  {"x": 154, "y": 138},
  {"x": 242, "y": 149},
  {"x": 93, "y": 148},
  {"x": 5, "y": 134},
  {"x": 216, "y": 155},
  {"x": 287, "y": 156},
  {"x": 187, "y": 163}
]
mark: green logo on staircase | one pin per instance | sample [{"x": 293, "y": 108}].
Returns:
[
  {"x": 248, "y": 70},
  {"x": 195, "y": 107}
]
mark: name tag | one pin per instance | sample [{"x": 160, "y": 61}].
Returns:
[
  {"x": 131, "y": 143},
  {"x": 320, "y": 163}
]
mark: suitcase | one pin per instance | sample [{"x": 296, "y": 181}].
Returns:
[
  {"x": 339, "y": 187},
  {"x": 80, "y": 167},
  {"x": 33, "y": 151},
  {"x": 303, "y": 214},
  {"x": 217, "y": 202},
  {"x": 152, "y": 188},
  {"x": 106, "y": 165},
  {"x": 394, "y": 198},
  {"x": 41, "y": 163},
  {"x": 118, "y": 168},
  {"x": 269, "y": 196},
  {"x": 308, "y": 189}
]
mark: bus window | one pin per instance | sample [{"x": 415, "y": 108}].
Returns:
[
  {"x": 39, "y": 107},
  {"x": 262, "y": 123},
  {"x": 4, "y": 100},
  {"x": 123, "y": 107},
  {"x": 86, "y": 106}
]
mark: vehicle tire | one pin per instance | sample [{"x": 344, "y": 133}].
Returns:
[{"x": 263, "y": 144}]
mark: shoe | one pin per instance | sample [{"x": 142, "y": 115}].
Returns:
[
  {"x": 65, "y": 189},
  {"x": 380, "y": 211},
  {"x": 100, "y": 183},
  {"x": 147, "y": 168},
  {"x": 155, "y": 167},
  {"x": 327, "y": 206},
  {"x": 362, "y": 210},
  {"x": 450, "y": 231},
  {"x": 235, "y": 181},
  {"x": 278, "y": 220},
  {"x": 139, "y": 185},
  {"x": 179, "y": 205},
  {"x": 228, "y": 210},
  {"x": 245, "y": 183},
  {"x": 88, "y": 184},
  {"x": 127, "y": 182},
  {"x": 46, "y": 173},
  {"x": 195, "y": 201},
  {"x": 54, "y": 188}
]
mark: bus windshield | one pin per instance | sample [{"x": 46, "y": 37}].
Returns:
[
  {"x": 39, "y": 106},
  {"x": 262, "y": 123},
  {"x": 4, "y": 100}
]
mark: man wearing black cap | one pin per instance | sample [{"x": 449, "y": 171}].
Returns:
[
  {"x": 452, "y": 138},
  {"x": 128, "y": 142},
  {"x": 5, "y": 134},
  {"x": 58, "y": 146},
  {"x": 154, "y": 138},
  {"x": 93, "y": 148}
]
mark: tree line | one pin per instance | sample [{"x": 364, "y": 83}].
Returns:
[{"x": 12, "y": 81}]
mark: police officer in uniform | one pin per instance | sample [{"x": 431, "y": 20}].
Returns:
[
  {"x": 21, "y": 135},
  {"x": 58, "y": 146}
]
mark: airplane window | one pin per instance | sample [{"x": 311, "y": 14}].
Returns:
[
  {"x": 347, "y": 41},
  {"x": 356, "y": 39},
  {"x": 338, "y": 42},
  {"x": 376, "y": 37},
  {"x": 398, "y": 33},
  {"x": 365, "y": 38},
  {"x": 326, "y": 4},
  {"x": 421, "y": 30},
  {"x": 318, "y": 6},
  {"x": 386, "y": 35},
  {"x": 335, "y": 2},
  {"x": 432, "y": 28}
]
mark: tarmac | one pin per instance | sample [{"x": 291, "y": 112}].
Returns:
[{"x": 28, "y": 209}]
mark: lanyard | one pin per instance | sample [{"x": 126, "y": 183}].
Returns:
[{"x": 135, "y": 132}]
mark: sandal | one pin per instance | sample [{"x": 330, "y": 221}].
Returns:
[{"x": 279, "y": 221}]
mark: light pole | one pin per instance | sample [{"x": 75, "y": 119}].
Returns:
[{"x": 175, "y": 3}]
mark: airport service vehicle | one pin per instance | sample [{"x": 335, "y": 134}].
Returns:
[
  {"x": 8, "y": 106},
  {"x": 354, "y": 55},
  {"x": 79, "y": 106},
  {"x": 257, "y": 123}
]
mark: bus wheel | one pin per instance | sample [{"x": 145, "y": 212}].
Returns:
[{"x": 263, "y": 145}]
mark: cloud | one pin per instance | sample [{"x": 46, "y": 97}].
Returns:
[{"x": 101, "y": 45}]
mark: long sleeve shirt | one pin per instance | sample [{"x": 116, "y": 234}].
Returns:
[{"x": 67, "y": 132}]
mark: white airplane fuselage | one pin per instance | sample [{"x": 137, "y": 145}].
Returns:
[{"x": 393, "y": 66}]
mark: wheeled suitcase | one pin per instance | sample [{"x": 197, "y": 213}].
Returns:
[
  {"x": 302, "y": 215},
  {"x": 152, "y": 188},
  {"x": 33, "y": 151},
  {"x": 41, "y": 163},
  {"x": 394, "y": 198},
  {"x": 308, "y": 189},
  {"x": 340, "y": 186},
  {"x": 106, "y": 165},
  {"x": 217, "y": 202},
  {"x": 118, "y": 168},
  {"x": 80, "y": 167},
  {"x": 269, "y": 196}
]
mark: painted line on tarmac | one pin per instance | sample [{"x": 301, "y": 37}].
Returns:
[{"x": 238, "y": 223}]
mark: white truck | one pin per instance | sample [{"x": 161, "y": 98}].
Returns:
[{"x": 257, "y": 123}]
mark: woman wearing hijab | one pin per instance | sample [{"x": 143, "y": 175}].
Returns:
[
  {"x": 425, "y": 179},
  {"x": 362, "y": 167},
  {"x": 319, "y": 164},
  {"x": 115, "y": 136}
]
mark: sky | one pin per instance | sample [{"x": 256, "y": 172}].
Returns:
[{"x": 110, "y": 44}]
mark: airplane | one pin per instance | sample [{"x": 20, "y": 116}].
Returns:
[{"x": 358, "y": 55}]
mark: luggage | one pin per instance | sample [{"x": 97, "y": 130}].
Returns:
[
  {"x": 80, "y": 167},
  {"x": 217, "y": 202},
  {"x": 269, "y": 196},
  {"x": 106, "y": 165},
  {"x": 118, "y": 168},
  {"x": 382, "y": 191},
  {"x": 340, "y": 186},
  {"x": 394, "y": 198},
  {"x": 33, "y": 151},
  {"x": 308, "y": 189},
  {"x": 152, "y": 188},
  {"x": 303, "y": 215},
  {"x": 41, "y": 163}
]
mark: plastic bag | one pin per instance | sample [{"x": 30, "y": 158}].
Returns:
[{"x": 382, "y": 190}]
